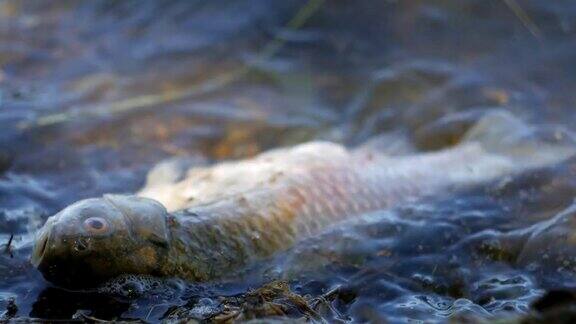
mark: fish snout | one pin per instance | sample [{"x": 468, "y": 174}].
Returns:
[
  {"x": 40, "y": 246},
  {"x": 58, "y": 257},
  {"x": 63, "y": 262}
]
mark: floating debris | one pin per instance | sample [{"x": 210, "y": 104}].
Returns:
[{"x": 8, "y": 246}]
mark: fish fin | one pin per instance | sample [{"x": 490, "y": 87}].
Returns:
[
  {"x": 390, "y": 144},
  {"x": 162, "y": 179},
  {"x": 147, "y": 221},
  {"x": 171, "y": 170},
  {"x": 500, "y": 132},
  {"x": 449, "y": 129}
]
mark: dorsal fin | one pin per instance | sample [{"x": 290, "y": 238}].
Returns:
[
  {"x": 387, "y": 144},
  {"x": 172, "y": 170},
  {"x": 448, "y": 130}
]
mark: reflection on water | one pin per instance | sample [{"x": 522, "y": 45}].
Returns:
[{"x": 91, "y": 94}]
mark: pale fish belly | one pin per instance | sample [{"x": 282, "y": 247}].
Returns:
[
  {"x": 469, "y": 163},
  {"x": 253, "y": 209}
]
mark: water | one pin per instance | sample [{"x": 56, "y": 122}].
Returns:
[{"x": 95, "y": 93}]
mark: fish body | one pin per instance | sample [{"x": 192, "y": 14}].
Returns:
[
  {"x": 223, "y": 217},
  {"x": 211, "y": 239}
]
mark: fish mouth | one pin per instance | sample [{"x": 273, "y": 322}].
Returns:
[
  {"x": 40, "y": 247},
  {"x": 60, "y": 268}
]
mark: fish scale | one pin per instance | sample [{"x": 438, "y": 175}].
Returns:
[{"x": 223, "y": 236}]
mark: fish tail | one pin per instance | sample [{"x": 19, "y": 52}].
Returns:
[{"x": 499, "y": 132}]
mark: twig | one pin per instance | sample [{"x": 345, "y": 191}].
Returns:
[
  {"x": 88, "y": 318},
  {"x": 152, "y": 309},
  {"x": 524, "y": 18},
  {"x": 145, "y": 101},
  {"x": 8, "y": 248}
]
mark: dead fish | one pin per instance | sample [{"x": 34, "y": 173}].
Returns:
[{"x": 235, "y": 213}]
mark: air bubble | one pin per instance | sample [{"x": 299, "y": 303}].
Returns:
[{"x": 135, "y": 286}]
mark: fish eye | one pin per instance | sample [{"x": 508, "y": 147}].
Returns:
[{"x": 96, "y": 225}]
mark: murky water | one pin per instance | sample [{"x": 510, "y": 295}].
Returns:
[{"x": 95, "y": 93}]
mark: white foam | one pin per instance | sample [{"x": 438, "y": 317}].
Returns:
[{"x": 133, "y": 286}]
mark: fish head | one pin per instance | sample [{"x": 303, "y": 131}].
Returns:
[{"x": 98, "y": 239}]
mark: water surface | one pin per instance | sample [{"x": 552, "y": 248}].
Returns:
[{"x": 95, "y": 93}]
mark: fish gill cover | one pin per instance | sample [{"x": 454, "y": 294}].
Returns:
[{"x": 94, "y": 94}]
